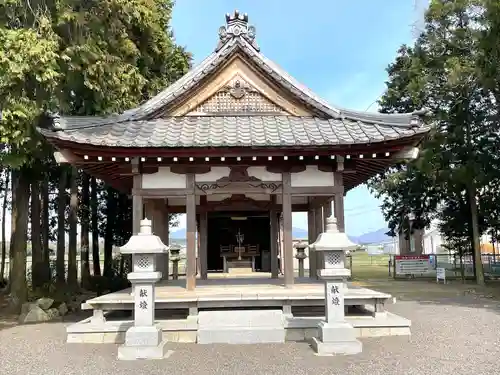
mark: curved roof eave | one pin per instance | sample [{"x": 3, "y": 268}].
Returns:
[{"x": 210, "y": 64}]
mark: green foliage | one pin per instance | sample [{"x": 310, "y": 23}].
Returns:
[
  {"x": 57, "y": 56},
  {"x": 452, "y": 69}
]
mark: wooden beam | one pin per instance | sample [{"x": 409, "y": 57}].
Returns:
[
  {"x": 287, "y": 230},
  {"x": 190, "y": 234},
  {"x": 66, "y": 156},
  {"x": 250, "y": 187},
  {"x": 317, "y": 190},
  {"x": 160, "y": 193}
]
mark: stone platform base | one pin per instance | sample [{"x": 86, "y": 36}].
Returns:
[
  {"x": 239, "y": 270},
  {"x": 336, "y": 348},
  {"x": 297, "y": 329},
  {"x": 132, "y": 353},
  {"x": 241, "y": 327}
]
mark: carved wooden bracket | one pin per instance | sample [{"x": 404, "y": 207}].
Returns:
[{"x": 237, "y": 174}]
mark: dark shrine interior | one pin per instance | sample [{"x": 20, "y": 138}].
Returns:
[{"x": 223, "y": 228}]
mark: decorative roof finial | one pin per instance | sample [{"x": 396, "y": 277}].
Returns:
[
  {"x": 237, "y": 27},
  {"x": 331, "y": 225}
]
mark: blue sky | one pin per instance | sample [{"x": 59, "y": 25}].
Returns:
[{"x": 338, "y": 48}]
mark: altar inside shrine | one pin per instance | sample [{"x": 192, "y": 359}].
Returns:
[{"x": 240, "y": 258}]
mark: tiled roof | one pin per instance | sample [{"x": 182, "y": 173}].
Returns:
[
  {"x": 138, "y": 126},
  {"x": 233, "y": 131}
]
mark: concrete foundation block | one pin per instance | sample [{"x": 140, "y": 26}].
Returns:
[
  {"x": 143, "y": 336},
  {"x": 336, "y": 332},
  {"x": 241, "y": 327},
  {"x": 242, "y": 335},
  {"x": 131, "y": 353},
  {"x": 336, "y": 348}
]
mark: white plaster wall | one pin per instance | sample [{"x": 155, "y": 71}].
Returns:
[
  {"x": 164, "y": 179},
  {"x": 262, "y": 174},
  {"x": 214, "y": 174},
  {"x": 311, "y": 177}
]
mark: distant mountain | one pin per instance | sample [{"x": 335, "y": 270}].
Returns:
[
  {"x": 374, "y": 237},
  {"x": 299, "y": 233},
  {"x": 178, "y": 234}
]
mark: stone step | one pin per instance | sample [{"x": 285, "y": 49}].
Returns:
[{"x": 241, "y": 327}]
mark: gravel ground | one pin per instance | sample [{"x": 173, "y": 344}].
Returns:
[{"x": 456, "y": 336}]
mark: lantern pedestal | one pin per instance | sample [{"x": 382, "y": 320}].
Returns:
[
  {"x": 144, "y": 340},
  {"x": 300, "y": 256},
  {"x": 336, "y": 336}
]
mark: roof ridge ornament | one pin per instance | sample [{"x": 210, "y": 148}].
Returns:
[{"x": 237, "y": 27}]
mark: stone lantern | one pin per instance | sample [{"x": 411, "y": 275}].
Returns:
[
  {"x": 175, "y": 257},
  {"x": 336, "y": 336},
  {"x": 144, "y": 339},
  {"x": 301, "y": 255}
]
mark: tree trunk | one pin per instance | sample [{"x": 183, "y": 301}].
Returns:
[
  {"x": 108, "y": 235},
  {"x": 4, "y": 218},
  {"x": 13, "y": 220},
  {"x": 84, "y": 235},
  {"x": 37, "y": 277},
  {"x": 73, "y": 222},
  {"x": 18, "y": 288},
  {"x": 96, "y": 262},
  {"x": 478, "y": 263},
  {"x": 61, "y": 230},
  {"x": 44, "y": 190}
]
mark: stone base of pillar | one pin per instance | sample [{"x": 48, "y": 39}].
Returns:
[
  {"x": 143, "y": 343},
  {"x": 336, "y": 339}
]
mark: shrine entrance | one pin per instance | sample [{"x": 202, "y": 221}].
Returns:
[{"x": 238, "y": 238}]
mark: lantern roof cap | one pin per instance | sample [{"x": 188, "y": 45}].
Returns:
[
  {"x": 145, "y": 242},
  {"x": 333, "y": 240}
]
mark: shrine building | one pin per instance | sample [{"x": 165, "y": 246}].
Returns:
[{"x": 238, "y": 145}]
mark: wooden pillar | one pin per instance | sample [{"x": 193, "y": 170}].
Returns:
[
  {"x": 327, "y": 212},
  {"x": 311, "y": 238},
  {"x": 339, "y": 211},
  {"x": 166, "y": 239},
  {"x": 203, "y": 252},
  {"x": 155, "y": 212},
  {"x": 318, "y": 224},
  {"x": 273, "y": 216},
  {"x": 137, "y": 203},
  {"x": 339, "y": 203},
  {"x": 287, "y": 230},
  {"x": 190, "y": 234}
]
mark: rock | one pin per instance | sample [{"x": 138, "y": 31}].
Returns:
[
  {"x": 74, "y": 306},
  {"x": 44, "y": 303},
  {"x": 26, "y": 307},
  {"x": 34, "y": 315},
  {"x": 53, "y": 313},
  {"x": 63, "y": 309}
]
